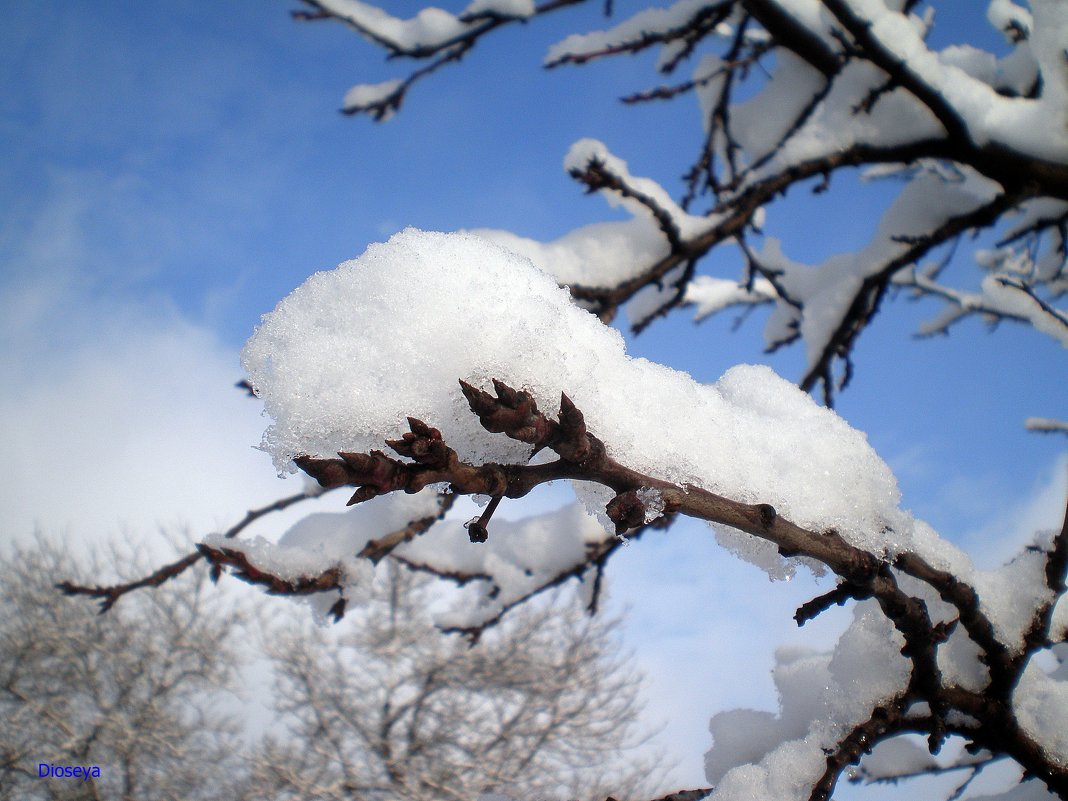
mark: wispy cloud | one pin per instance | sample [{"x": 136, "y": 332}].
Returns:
[
  {"x": 117, "y": 411},
  {"x": 1013, "y": 526}
]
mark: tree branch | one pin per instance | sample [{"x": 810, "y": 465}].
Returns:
[
  {"x": 582, "y": 456},
  {"x": 108, "y": 595}
]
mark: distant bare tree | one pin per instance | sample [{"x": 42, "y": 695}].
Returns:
[
  {"x": 134, "y": 694},
  {"x": 389, "y": 708}
]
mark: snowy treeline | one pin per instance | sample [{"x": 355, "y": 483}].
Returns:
[{"x": 190, "y": 693}]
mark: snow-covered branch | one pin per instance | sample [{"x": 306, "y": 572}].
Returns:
[
  {"x": 1026, "y": 274},
  {"x": 865, "y": 575},
  {"x": 937, "y": 647},
  {"x": 480, "y": 364},
  {"x": 433, "y": 35},
  {"x": 1046, "y": 424},
  {"x": 828, "y": 86},
  {"x": 478, "y": 343}
]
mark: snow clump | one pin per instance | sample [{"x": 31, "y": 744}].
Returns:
[{"x": 350, "y": 353}]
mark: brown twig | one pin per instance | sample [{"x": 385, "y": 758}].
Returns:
[{"x": 108, "y": 595}]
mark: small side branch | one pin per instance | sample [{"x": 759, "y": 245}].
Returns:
[
  {"x": 1046, "y": 425},
  {"x": 243, "y": 569},
  {"x": 437, "y": 52},
  {"x": 596, "y": 176},
  {"x": 884, "y": 720},
  {"x": 1039, "y": 634},
  {"x": 844, "y": 592},
  {"x": 109, "y": 595}
]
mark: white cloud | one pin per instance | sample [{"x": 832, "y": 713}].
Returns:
[
  {"x": 137, "y": 427},
  {"x": 1015, "y": 526},
  {"x": 116, "y": 413}
]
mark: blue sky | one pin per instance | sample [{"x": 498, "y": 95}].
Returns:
[{"x": 169, "y": 171}]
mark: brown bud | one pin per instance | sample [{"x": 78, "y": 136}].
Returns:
[
  {"x": 571, "y": 442},
  {"x": 481, "y": 403},
  {"x": 424, "y": 444},
  {"x": 570, "y": 417},
  {"x": 329, "y": 473},
  {"x": 364, "y": 493},
  {"x": 627, "y": 511},
  {"x": 421, "y": 429},
  {"x": 476, "y": 531},
  {"x": 402, "y": 446},
  {"x": 508, "y": 396}
]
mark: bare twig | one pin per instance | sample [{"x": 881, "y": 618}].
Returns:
[{"x": 108, "y": 595}]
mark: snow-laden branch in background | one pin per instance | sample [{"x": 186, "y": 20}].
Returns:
[
  {"x": 1000, "y": 298},
  {"x": 848, "y": 84},
  {"x": 711, "y": 295},
  {"x": 1047, "y": 425},
  {"x": 966, "y": 105},
  {"x": 430, "y": 30},
  {"x": 647, "y": 260},
  {"x": 1027, "y": 275},
  {"x": 815, "y": 116},
  {"x": 896, "y": 760},
  {"x": 680, "y": 26},
  {"x": 433, "y": 34}
]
